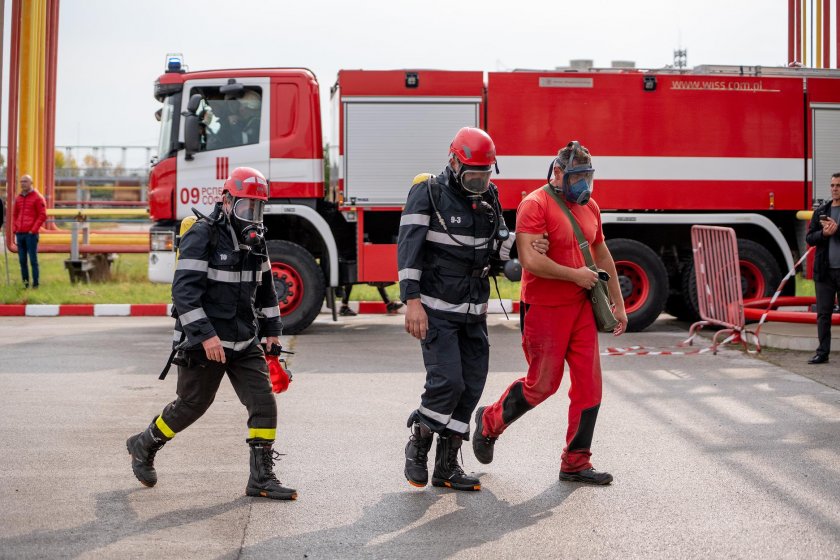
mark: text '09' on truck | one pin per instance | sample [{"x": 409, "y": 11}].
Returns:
[{"x": 743, "y": 147}]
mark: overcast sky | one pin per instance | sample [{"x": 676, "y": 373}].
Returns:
[{"x": 111, "y": 51}]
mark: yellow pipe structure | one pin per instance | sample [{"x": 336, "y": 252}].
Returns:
[
  {"x": 98, "y": 212},
  {"x": 804, "y": 215},
  {"x": 139, "y": 239},
  {"x": 819, "y": 34},
  {"x": 31, "y": 125}
]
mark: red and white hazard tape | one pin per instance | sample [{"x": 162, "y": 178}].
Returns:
[
  {"x": 791, "y": 273},
  {"x": 664, "y": 350},
  {"x": 164, "y": 309},
  {"x": 87, "y": 310}
]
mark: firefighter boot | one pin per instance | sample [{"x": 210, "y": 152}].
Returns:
[
  {"x": 448, "y": 472},
  {"x": 417, "y": 455},
  {"x": 482, "y": 445},
  {"x": 142, "y": 448},
  {"x": 263, "y": 482}
]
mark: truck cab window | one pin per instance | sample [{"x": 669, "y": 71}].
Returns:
[
  {"x": 169, "y": 109},
  {"x": 229, "y": 123}
]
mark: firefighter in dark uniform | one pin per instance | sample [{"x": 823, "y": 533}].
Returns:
[
  {"x": 223, "y": 294},
  {"x": 450, "y": 228}
]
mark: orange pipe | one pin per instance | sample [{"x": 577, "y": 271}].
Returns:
[
  {"x": 94, "y": 249},
  {"x": 818, "y": 44},
  {"x": 51, "y": 94}
]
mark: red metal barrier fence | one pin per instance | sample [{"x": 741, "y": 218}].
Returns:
[{"x": 718, "y": 274}]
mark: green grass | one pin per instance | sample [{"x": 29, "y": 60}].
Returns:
[
  {"x": 129, "y": 284},
  {"x": 804, "y": 287}
]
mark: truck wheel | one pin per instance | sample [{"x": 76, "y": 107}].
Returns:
[
  {"x": 299, "y": 282},
  {"x": 760, "y": 273},
  {"x": 643, "y": 280},
  {"x": 760, "y": 276},
  {"x": 679, "y": 304}
]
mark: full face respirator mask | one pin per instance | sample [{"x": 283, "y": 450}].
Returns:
[
  {"x": 578, "y": 179},
  {"x": 474, "y": 179},
  {"x": 246, "y": 217}
]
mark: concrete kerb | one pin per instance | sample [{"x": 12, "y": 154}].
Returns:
[{"x": 165, "y": 309}]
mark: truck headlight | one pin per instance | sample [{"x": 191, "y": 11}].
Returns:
[{"x": 162, "y": 241}]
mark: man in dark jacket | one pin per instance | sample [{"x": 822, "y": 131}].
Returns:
[
  {"x": 222, "y": 291},
  {"x": 822, "y": 234},
  {"x": 450, "y": 228},
  {"x": 30, "y": 213}
]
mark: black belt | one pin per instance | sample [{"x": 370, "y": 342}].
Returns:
[{"x": 459, "y": 268}]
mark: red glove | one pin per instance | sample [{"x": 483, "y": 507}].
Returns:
[{"x": 280, "y": 378}]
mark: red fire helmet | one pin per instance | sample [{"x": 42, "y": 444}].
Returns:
[
  {"x": 246, "y": 182},
  {"x": 473, "y": 146}
]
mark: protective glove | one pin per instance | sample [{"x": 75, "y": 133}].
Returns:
[{"x": 280, "y": 378}]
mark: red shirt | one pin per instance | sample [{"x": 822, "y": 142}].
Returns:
[
  {"x": 30, "y": 212},
  {"x": 539, "y": 213}
]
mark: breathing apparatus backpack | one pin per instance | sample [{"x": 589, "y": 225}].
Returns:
[{"x": 177, "y": 355}]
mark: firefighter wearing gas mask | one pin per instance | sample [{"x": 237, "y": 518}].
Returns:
[
  {"x": 557, "y": 322},
  {"x": 450, "y": 229},
  {"x": 224, "y": 303}
]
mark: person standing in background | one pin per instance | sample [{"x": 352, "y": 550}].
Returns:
[
  {"x": 30, "y": 213},
  {"x": 822, "y": 234}
]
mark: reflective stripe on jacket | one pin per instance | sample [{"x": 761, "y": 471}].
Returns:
[
  {"x": 436, "y": 268},
  {"x": 229, "y": 293}
]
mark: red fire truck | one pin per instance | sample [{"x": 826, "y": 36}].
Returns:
[{"x": 734, "y": 146}]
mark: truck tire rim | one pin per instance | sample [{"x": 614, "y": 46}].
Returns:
[
  {"x": 634, "y": 283},
  {"x": 753, "y": 284},
  {"x": 289, "y": 286}
]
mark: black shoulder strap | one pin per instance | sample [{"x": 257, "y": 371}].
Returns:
[
  {"x": 434, "y": 188},
  {"x": 214, "y": 233}
]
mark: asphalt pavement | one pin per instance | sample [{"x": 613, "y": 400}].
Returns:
[{"x": 713, "y": 455}]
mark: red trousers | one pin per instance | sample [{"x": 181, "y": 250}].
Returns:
[{"x": 550, "y": 336}]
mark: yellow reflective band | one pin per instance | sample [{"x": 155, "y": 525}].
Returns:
[
  {"x": 262, "y": 433},
  {"x": 164, "y": 429}
]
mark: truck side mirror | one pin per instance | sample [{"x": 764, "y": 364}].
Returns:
[
  {"x": 232, "y": 90},
  {"x": 192, "y": 132}
]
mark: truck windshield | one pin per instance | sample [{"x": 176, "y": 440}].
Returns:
[{"x": 167, "y": 126}]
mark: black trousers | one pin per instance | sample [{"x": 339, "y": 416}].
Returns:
[
  {"x": 456, "y": 356},
  {"x": 826, "y": 290},
  {"x": 197, "y": 388}
]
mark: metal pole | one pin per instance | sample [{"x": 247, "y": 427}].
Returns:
[
  {"x": 6, "y": 252},
  {"x": 74, "y": 242}
]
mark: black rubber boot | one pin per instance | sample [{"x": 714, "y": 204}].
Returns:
[
  {"x": 417, "y": 455},
  {"x": 482, "y": 445},
  {"x": 142, "y": 448},
  {"x": 263, "y": 482},
  {"x": 588, "y": 476},
  {"x": 448, "y": 472}
]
